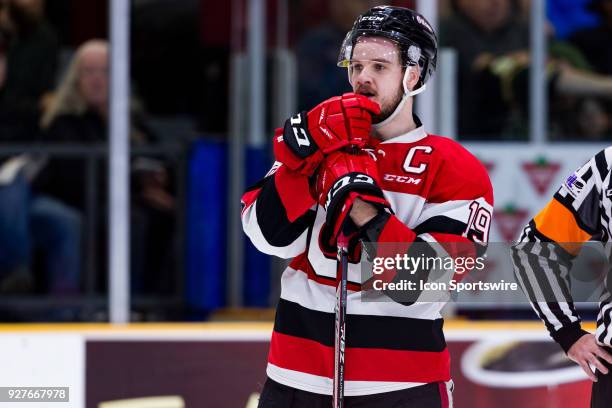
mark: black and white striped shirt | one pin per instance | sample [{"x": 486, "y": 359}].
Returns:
[{"x": 580, "y": 211}]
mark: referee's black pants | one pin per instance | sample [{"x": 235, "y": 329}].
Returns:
[
  {"x": 601, "y": 393},
  {"x": 434, "y": 395}
]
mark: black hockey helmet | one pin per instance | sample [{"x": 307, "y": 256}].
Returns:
[{"x": 415, "y": 37}]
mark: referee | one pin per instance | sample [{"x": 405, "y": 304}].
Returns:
[{"x": 580, "y": 211}]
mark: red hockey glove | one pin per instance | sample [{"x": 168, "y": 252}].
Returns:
[
  {"x": 342, "y": 178},
  {"x": 331, "y": 125}
]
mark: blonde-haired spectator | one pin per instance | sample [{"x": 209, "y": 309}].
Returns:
[
  {"x": 85, "y": 84},
  {"x": 78, "y": 114},
  {"x": 85, "y": 88}
]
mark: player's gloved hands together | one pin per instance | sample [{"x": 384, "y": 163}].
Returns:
[
  {"x": 342, "y": 178},
  {"x": 333, "y": 124}
]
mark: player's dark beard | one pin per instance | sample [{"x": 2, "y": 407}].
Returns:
[{"x": 385, "y": 112}]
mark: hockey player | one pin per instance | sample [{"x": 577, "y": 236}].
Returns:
[
  {"x": 413, "y": 187},
  {"x": 578, "y": 212}
]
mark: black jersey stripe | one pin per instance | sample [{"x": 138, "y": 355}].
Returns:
[
  {"x": 589, "y": 212},
  {"x": 442, "y": 224},
  {"x": 383, "y": 332},
  {"x": 606, "y": 325},
  {"x": 587, "y": 175},
  {"x": 272, "y": 217},
  {"x": 602, "y": 164}
]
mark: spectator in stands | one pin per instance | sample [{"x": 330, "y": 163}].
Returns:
[
  {"x": 574, "y": 92},
  {"x": 494, "y": 76},
  {"x": 317, "y": 53},
  {"x": 79, "y": 114},
  {"x": 30, "y": 224},
  {"x": 31, "y": 62},
  {"x": 36, "y": 226},
  {"x": 594, "y": 43},
  {"x": 481, "y": 30}
]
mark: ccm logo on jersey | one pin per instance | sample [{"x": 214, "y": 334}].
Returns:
[
  {"x": 402, "y": 179},
  {"x": 342, "y": 182}
]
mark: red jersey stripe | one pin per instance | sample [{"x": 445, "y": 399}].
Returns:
[{"x": 362, "y": 364}]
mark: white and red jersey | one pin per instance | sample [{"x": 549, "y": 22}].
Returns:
[{"x": 435, "y": 188}]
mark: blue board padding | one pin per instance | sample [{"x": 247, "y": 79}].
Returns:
[{"x": 206, "y": 226}]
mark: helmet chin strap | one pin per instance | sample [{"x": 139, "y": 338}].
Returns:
[{"x": 402, "y": 102}]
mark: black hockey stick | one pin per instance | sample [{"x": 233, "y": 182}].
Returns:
[{"x": 340, "y": 332}]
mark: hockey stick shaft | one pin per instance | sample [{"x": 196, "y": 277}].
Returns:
[{"x": 340, "y": 332}]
